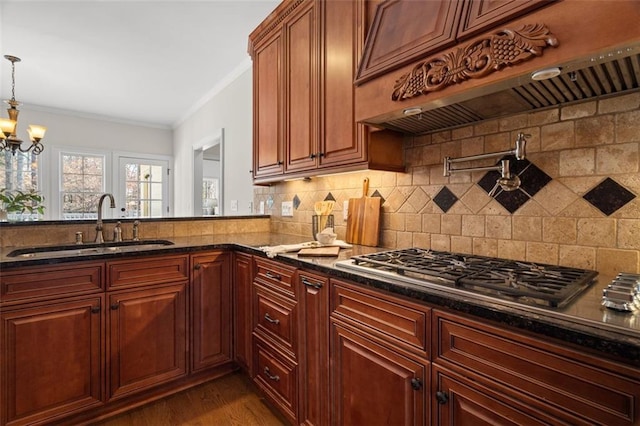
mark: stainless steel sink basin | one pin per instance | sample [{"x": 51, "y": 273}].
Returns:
[{"x": 88, "y": 249}]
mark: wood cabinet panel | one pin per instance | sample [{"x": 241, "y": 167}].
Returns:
[
  {"x": 276, "y": 318},
  {"x": 372, "y": 383},
  {"x": 147, "y": 338},
  {"x": 38, "y": 282},
  {"x": 399, "y": 322},
  {"x": 211, "y": 310},
  {"x": 575, "y": 387},
  {"x": 481, "y": 15},
  {"x": 150, "y": 271},
  {"x": 302, "y": 94},
  {"x": 277, "y": 376},
  {"x": 314, "y": 349},
  {"x": 276, "y": 276},
  {"x": 242, "y": 303},
  {"x": 462, "y": 402},
  {"x": 268, "y": 158},
  {"x": 404, "y": 31},
  {"x": 51, "y": 361}
]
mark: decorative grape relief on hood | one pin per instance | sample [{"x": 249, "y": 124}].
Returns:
[{"x": 475, "y": 60}]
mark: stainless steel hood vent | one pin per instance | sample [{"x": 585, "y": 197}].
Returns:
[{"x": 577, "y": 82}]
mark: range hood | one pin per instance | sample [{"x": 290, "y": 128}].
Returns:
[
  {"x": 606, "y": 74},
  {"x": 597, "y": 55}
]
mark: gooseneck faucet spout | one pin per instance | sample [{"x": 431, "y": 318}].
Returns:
[{"x": 99, "y": 235}]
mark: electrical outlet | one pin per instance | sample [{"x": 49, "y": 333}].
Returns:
[
  {"x": 234, "y": 205},
  {"x": 345, "y": 209},
  {"x": 261, "y": 207},
  {"x": 287, "y": 208}
]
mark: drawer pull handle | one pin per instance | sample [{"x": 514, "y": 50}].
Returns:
[
  {"x": 416, "y": 384},
  {"x": 95, "y": 309},
  {"x": 273, "y": 276},
  {"x": 442, "y": 397},
  {"x": 115, "y": 306},
  {"x": 271, "y": 320},
  {"x": 311, "y": 284},
  {"x": 267, "y": 373}
]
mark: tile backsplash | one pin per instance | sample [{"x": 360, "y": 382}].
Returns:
[{"x": 577, "y": 204}]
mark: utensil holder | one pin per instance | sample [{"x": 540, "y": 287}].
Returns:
[{"x": 320, "y": 221}]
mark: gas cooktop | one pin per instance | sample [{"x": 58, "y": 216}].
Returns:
[{"x": 522, "y": 282}]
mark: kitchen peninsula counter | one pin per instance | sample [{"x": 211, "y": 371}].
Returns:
[{"x": 583, "y": 323}]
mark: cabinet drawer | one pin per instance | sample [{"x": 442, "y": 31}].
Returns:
[
  {"x": 275, "y": 318},
  {"x": 276, "y": 276},
  {"x": 37, "y": 282},
  {"x": 575, "y": 387},
  {"x": 277, "y": 377},
  {"x": 402, "y": 323},
  {"x": 147, "y": 271}
]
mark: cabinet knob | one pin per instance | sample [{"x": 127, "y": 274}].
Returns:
[
  {"x": 280, "y": 163},
  {"x": 416, "y": 384},
  {"x": 115, "y": 306},
  {"x": 197, "y": 266},
  {"x": 312, "y": 156},
  {"x": 271, "y": 320},
  {"x": 267, "y": 373},
  {"x": 95, "y": 309},
  {"x": 321, "y": 154},
  {"x": 442, "y": 397}
]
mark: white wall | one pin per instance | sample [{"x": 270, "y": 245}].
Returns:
[{"x": 230, "y": 109}]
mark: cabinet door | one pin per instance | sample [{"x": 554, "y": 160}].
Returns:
[
  {"x": 314, "y": 348},
  {"x": 268, "y": 107},
  {"x": 147, "y": 338},
  {"x": 373, "y": 384},
  {"x": 461, "y": 402},
  {"x": 211, "y": 309},
  {"x": 51, "y": 360},
  {"x": 302, "y": 93},
  {"x": 242, "y": 280},
  {"x": 343, "y": 140}
]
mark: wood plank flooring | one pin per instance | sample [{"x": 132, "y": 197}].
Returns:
[{"x": 228, "y": 401}]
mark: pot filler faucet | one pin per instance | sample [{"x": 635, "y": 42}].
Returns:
[
  {"x": 99, "y": 235},
  {"x": 506, "y": 181}
]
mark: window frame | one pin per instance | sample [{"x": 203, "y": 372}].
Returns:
[{"x": 156, "y": 160}]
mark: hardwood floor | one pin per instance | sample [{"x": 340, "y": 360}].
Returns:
[{"x": 228, "y": 401}]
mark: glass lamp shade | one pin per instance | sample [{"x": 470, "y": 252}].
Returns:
[
  {"x": 7, "y": 126},
  {"x": 36, "y": 132}
]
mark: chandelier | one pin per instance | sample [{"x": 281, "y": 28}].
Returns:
[{"x": 8, "y": 139}]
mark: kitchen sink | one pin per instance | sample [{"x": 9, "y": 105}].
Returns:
[{"x": 88, "y": 249}]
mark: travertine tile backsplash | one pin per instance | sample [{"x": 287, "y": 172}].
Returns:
[{"x": 577, "y": 146}]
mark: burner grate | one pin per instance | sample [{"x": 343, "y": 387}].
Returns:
[{"x": 529, "y": 283}]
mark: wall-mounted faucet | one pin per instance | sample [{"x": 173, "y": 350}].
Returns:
[{"x": 99, "y": 235}]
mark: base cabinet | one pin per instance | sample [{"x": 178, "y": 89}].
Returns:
[
  {"x": 373, "y": 384},
  {"x": 147, "y": 338},
  {"x": 51, "y": 360},
  {"x": 210, "y": 303}
]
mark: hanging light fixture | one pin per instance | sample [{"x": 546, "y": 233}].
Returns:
[{"x": 8, "y": 139}]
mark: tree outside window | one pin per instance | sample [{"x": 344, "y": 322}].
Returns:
[{"x": 82, "y": 184}]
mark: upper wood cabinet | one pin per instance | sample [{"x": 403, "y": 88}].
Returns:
[
  {"x": 404, "y": 31},
  {"x": 305, "y": 57}
]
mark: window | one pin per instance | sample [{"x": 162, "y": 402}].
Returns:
[
  {"x": 145, "y": 186},
  {"x": 19, "y": 172},
  {"x": 82, "y": 183}
]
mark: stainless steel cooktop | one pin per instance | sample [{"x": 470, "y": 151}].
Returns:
[{"x": 523, "y": 282}]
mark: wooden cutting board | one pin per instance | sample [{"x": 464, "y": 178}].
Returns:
[
  {"x": 320, "y": 251},
  {"x": 363, "y": 219}
]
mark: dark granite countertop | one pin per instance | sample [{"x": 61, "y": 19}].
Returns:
[{"x": 583, "y": 323}]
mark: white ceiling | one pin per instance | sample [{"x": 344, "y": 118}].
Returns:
[{"x": 146, "y": 61}]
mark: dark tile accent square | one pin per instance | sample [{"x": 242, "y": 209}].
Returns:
[
  {"x": 532, "y": 180},
  {"x": 329, "y": 197},
  {"x": 512, "y": 200},
  {"x": 445, "y": 199},
  {"x": 608, "y": 196},
  {"x": 488, "y": 181},
  {"x": 379, "y": 195},
  {"x": 296, "y": 202}
]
